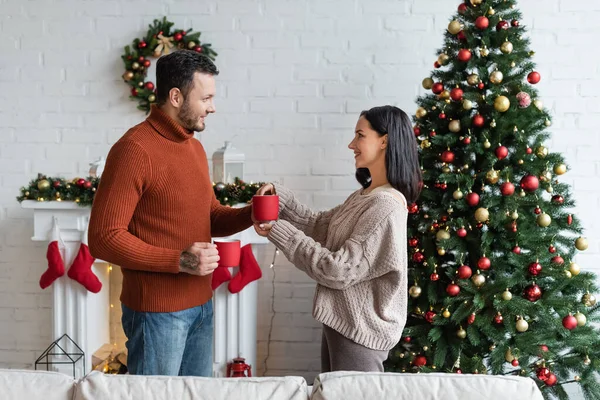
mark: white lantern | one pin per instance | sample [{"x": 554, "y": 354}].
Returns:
[
  {"x": 228, "y": 164},
  {"x": 97, "y": 167}
]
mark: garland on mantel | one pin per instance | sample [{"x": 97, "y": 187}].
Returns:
[{"x": 82, "y": 190}]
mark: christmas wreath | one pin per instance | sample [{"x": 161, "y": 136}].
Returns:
[
  {"x": 82, "y": 190},
  {"x": 160, "y": 39}
]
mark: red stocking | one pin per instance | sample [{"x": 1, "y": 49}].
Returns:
[
  {"x": 81, "y": 269},
  {"x": 220, "y": 275},
  {"x": 249, "y": 270},
  {"x": 54, "y": 254}
]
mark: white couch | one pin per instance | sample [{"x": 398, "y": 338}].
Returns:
[{"x": 34, "y": 385}]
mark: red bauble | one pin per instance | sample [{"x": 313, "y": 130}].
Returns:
[
  {"x": 453, "y": 289},
  {"x": 507, "y": 189},
  {"x": 530, "y": 183},
  {"x": 552, "y": 249},
  {"x": 56, "y": 184},
  {"x": 501, "y": 152},
  {"x": 134, "y": 92},
  {"x": 459, "y": 371},
  {"x": 543, "y": 373},
  {"x": 147, "y": 63},
  {"x": 514, "y": 23},
  {"x": 533, "y": 293},
  {"x": 498, "y": 319},
  {"x": 535, "y": 268},
  {"x": 569, "y": 322},
  {"x": 142, "y": 44},
  {"x": 434, "y": 277},
  {"x": 444, "y": 218},
  {"x": 482, "y": 23},
  {"x": 472, "y": 199},
  {"x": 462, "y": 8},
  {"x": 558, "y": 260},
  {"x": 429, "y": 316},
  {"x": 464, "y": 55},
  {"x": 513, "y": 226},
  {"x": 464, "y": 272},
  {"x": 436, "y": 65},
  {"x": 442, "y": 116},
  {"x": 534, "y": 77},
  {"x": 418, "y": 257},
  {"x": 461, "y": 36},
  {"x": 515, "y": 363},
  {"x": 198, "y": 49},
  {"x": 413, "y": 208},
  {"x": 447, "y": 156},
  {"x": 516, "y": 250},
  {"x": 478, "y": 121},
  {"x": 87, "y": 184},
  {"x": 537, "y": 210},
  {"x": 80, "y": 182},
  {"x": 432, "y": 133},
  {"x": 552, "y": 379},
  {"x": 177, "y": 37},
  {"x": 417, "y": 130},
  {"x": 484, "y": 263},
  {"x": 443, "y": 186},
  {"x": 456, "y": 94},
  {"x": 544, "y": 347},
  {"x": 529, "y": 150},
  {"x": 481, "y": 85},
  {"x": 141, "y": 59},
  {"x": 413, "y": 242},
  {"x": 467, "y": 140},
  {"x": 462, "y": 232},
  {"x": 502, "y": 25},
  {"x": 406, "y": 339},
  {"x": 149, "y": 85},
  {"x": 471, "y": 319},
  {"x": 420, "y": 361},
  {"x": 558, "y": 199},
  {"x": 569, "y": 219}
]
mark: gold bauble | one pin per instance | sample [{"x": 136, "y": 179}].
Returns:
[
  {"x": 548, "y": 122},
  {"x": 508, "y": 356},
  {"x": 454, "y": 27},
  {"x": 521, "y": 162},
  {"x": 493, "y": 123},
  {"x": 538, "y": 104},
  {"x": 141, "y": 84},
  {"x": 522, "y": 325},
  {"x": 445, "y": 95},
  {"x": 496, "y": 77},
  {"x": 514, "y": 215},
  {"x": 522, "y": 193},
  {"x": 478, "y": 280},
  {"x": 484, "y": 51},
  {"x": 441, "y": 251},
  {"x": 461, "y": 333},
  {"x": 446, "y": 170},
  {"x": 549, "y": 189},
  {"x": 568, "y": 274},
  {"x": 425, "y": 348},
  {"x": 577, "y": 378},
  {"x": 506, "y": 295},
  {"x": 581, "y": 319},
  {"x": 588, "y": 300},
  {"x": 128, "y": 75},
  {"x": 543, "y": 220},
  {"x": 473, "y": 79},
  {"x": 442, "y": 235},
  {"x": 475, "y": 3},
  {"x": 506, "y": 47},
  {"x": 487, "y": 144},
  {"x": 421, "y": 112},
  {"x": 43, "y": 185},
  {"x": 560, "y": 169},
  {"x": 575, "y": 269},
  {"x": 502, "y": 104},
  {"x": 492, "y": 347},
  {"x": 587, "y": 361},
  {"x": 457, "y": 195},
  {"x": 491, "y": 11},
  {"x": 135, "y": 65},
  {"x": 454, "y": 126},
  {"x": 482, "y": 214},
  {"x": 581, "y": 243},
  {"x": 546, "y": 176},
  {"x": 151, "y": 98},
  {"x": 26, "y": 194},
  {"x": 492, "y": 176},
  {"x": 541, "y": 152},
  {"x": 443, "y": 59},
  {"x": 414, "y": 291},
  {"x": 427, "y": 83},
  {"x": 467, "y": 104},
  {"x": 425, "y": 144},
  {"x": 191, "y": 45},
  {"x": 513, "y": 64},
  {"x": 446, "y": 314}
]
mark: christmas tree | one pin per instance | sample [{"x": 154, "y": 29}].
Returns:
[{"x": 493, "y": 283}]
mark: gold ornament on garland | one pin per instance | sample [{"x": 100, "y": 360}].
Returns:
[
  {"x": 544, "y": 220},
  {"x": 492, "y": 176},
  {"x": 522, "y": 325},
  {"x": 43, "y": 185},
  {"x": 454, "y": 126},
  {"x": 421, "y": 112},
  {"x": 427, "y": 83},
  {"x": 473, "y": 79},
  {"x": 454, "y": 27},
  {"x": 541, "y": 152},
  {"x": 496, "y": 77},
  {"x": 506, "y": 47},
  {"x": 482, "y": 214},
  {"x": 502, "y": 104},
  {"x": 560, "y": 169}
]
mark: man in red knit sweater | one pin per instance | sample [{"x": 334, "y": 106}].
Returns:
[{"x": 154, "y": 215}]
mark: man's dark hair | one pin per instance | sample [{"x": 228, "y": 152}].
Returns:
[{"x": 177, "y": 69}]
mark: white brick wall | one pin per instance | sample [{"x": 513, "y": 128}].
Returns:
[{"x": 295, "y": 75}]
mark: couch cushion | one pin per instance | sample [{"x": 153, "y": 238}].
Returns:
[
  {"x": 16, "y": 384},
  {"x": 99, "y": 386},
  {"x": 374, "y": 385}
]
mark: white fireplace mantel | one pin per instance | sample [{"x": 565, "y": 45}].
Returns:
[{"x": 84, "y": 316}]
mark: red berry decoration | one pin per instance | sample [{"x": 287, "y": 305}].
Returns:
[
  {"x": 453, "y": 289},
  {"x": 482, "y": 23},
  {"x": 459, "y": 371},
  {"x": 534, "y": 77},
  {"x": 87, "y": 184},
  {"x": 507, "y": 189},
  {"x": 478, "y": 121},
  {"x": 464, "y": 272},
  {"x": 533, "y": 293},
  {"x": 515, "y": 363},
  {"x": 147, "y": 63},
  {"x": 552, "y": 379},
  {"x": 501, "y": 152},
  {"x": 514, "y": 23},
  {"x": 535, "y": 268},
  {"x": 142, "y": 44},
  {"x": 516, "y": 250},
  {"x": 472, "y": 199},
  {"x": 149, "y": 85},
  {"x": 56, "y": 184},
  {"x": 456, "y": 94},
  {"x": 420, "y": 361},
  {"x": 530, "y": 183},
  {"x": 481, "y": 85},
  {"x": 429, "y": 316},
  {"x": 198, "y": 49},
  {"x": 502, "y": 25},
  {"x": 447, "y": 156},
  {"x": 413, "y": 208},
  {"x": 418, "y": 257},
  {"x": 177, "y": 37},
  {"x": 462, "y": 232},
  {"x": 80, "y": 182},
  {"x": 413, "y": 242},
  {"x": 484, "y": 263},
  {"x": 464, "y": 55},
  {"x": 569, "y": 322}
]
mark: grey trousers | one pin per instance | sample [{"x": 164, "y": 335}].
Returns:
[{"x": 338, "y": 353}]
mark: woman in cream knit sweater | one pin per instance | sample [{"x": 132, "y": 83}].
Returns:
[{"x": 356, "y": 252}]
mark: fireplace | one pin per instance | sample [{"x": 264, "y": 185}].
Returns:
[{"x": 93, "y": 321}]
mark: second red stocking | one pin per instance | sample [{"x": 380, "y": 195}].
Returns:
[
  {"x": 81, "y": 269},
  {"x": 249, "y": 270}
]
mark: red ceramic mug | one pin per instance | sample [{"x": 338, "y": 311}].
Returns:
[
  {"x": 229, "y": 252},
  {"x": 265, "y": 208}
]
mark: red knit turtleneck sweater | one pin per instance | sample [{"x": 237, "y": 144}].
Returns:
[{"x": 155, "y": 198}]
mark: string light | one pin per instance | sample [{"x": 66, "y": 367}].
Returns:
[{"x": 272, "y": 313}]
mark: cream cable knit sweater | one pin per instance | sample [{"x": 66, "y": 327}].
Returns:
[{"x": 357, "y": 254}]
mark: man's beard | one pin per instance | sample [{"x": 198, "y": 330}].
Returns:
[{"x": 189, "y": 119}]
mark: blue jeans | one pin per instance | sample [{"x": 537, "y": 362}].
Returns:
[{"x": 171, "y": 343}]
